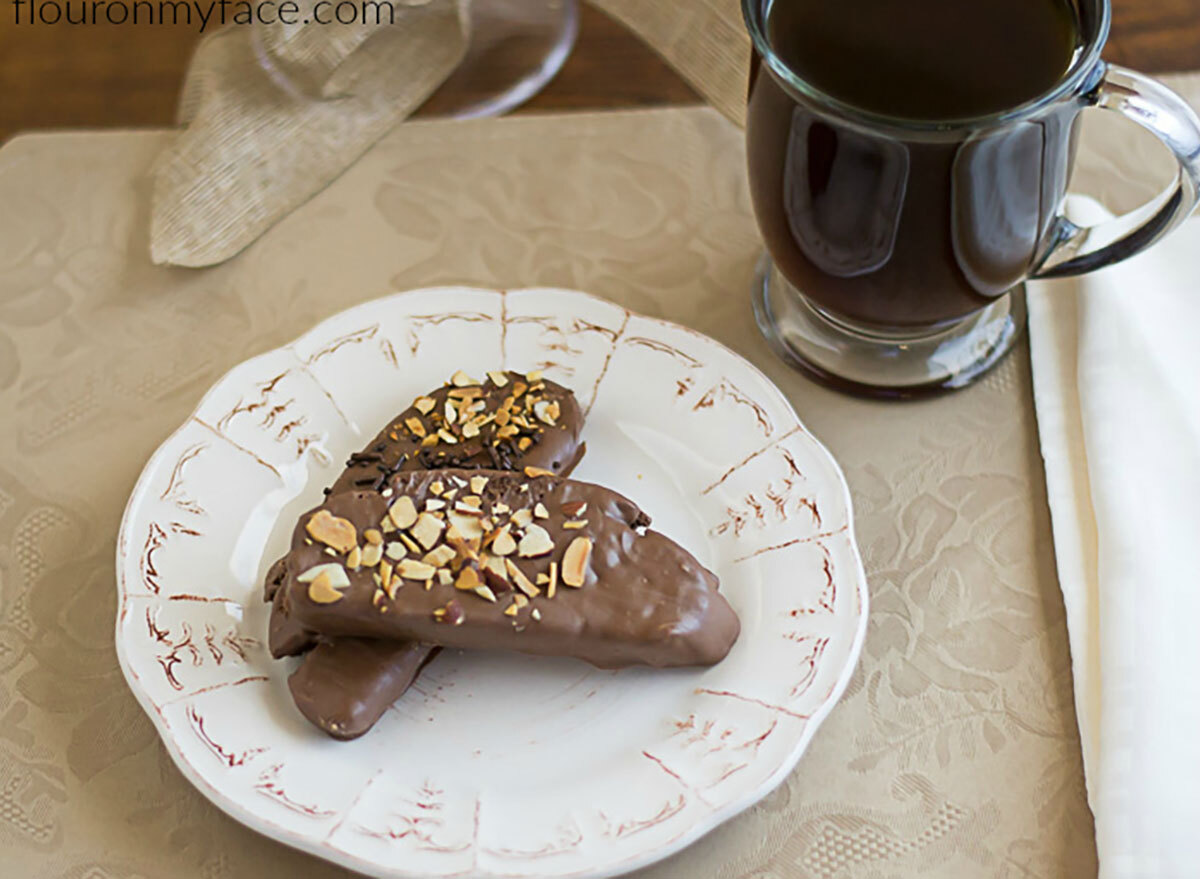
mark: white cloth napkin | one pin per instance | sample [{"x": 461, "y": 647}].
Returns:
[{"x": 1116, "y": 366}]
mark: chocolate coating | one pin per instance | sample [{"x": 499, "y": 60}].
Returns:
[
  {"x": 398, "y": 449},
  {"x": 343, "y": 687},
  {"x": 644, "y": 600}
]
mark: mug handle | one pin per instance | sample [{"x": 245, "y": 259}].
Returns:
[{"x": 1075, "y": 249}]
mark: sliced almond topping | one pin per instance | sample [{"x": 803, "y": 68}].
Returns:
[
  {"x": 450, "y": 494},
  {"x": 465, "y": 394},
  {"x": 321, "y": 590},
  {"x": 467, "y": 525},
  {"x": 424, "y": 405},
  {"x": 373, "y": 536},
  {"x": 522, "y": 517},
  {"x": 504, "y": 543},
  {"x": 472, "y": 500},
  {"x": 534, "y": 472},
  {"x": 520, "y": 580},
  {"x": 478, "y": 484},
  {"x": 410, "y": 543},
  {"x": 543, "y": 579},
  {"x": 486, "y": 594},
  {"x": 535, "y": 614},
  {"x": 534, "y": 376},
  {"x": 427, "y": 530},
  {"x": 433, "y": 505},
  {"x": 470, "y": 430},
  {"x": 377, "y": 597},
  {"x": 519, "y": 388},
  {"x": 444, "y": 577},
  {"x": 461, "y": 380},
  {"x": 574, "y": 508},
  {"x": 335, "y": 532},
  {"x": 335, "y": 572},
  {"x": 396, "y": 551},
  {"x": 542, "y": 410},
  {"x": 372, "y": 554},
  {"x": 499, "y": 379},
  {"x": 414, "y": 424},
  {"x": 575, "y": 562},
  {"x": 440, "y": 556},
  {"x": 447, "y": 437},
  {"x": 524, "y": 443},
  {"x": 575, "y": 524},
  {"x": 429, "y": 441},
  {"x": 451, "y": 413},
  {"x": 468, "y": 580},
  {"x": 436, "y": 487},
  {"x": 511, "y": 610},
  {"x": 520, "y": 601},
  {"x": 403, "y": 512},
  {"x": 411, "y": 569},
  {"x": 389, "y": 583},
  {"x": 541, "y": 512},
  {"x": 508, "y": 431},
  {"x": 386, "y": 493},
  {"x": 552, "y": 586},
  {"x": 354, "y": 558},
  {"x": 536, "y": 542}
]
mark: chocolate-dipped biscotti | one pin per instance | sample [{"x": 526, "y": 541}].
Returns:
[
  {"x": 345, "y": 685},
  {"x": 519, "y": 561}
]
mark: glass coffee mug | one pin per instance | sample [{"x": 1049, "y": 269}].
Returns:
[{"x": 897, "y": 249}]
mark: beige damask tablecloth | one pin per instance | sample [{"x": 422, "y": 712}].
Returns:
[{"x": 954, "y": 752}]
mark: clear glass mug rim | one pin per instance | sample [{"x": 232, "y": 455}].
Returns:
[{"x": 1079, "y": 72}]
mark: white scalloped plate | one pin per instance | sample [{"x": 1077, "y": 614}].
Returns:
[{"x": 494, "y": 765}]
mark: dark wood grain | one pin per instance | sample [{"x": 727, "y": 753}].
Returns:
[{"x": 127, "y": 76}]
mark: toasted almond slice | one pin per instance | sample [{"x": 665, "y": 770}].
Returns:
[
  {"x": 520, "y": 601},
  {"x": 424, "y": 405},
  {"x": 372, "y": 554},
  {"x": 428, "y": 530},
  {"x": 354, "y": 559},
  {"x": 520, "y": 580},
  {"x": 415, "y": 425},
  {"x": 468, "y": 579},
  {"x": 444, "y": 577},
  {"x": 321, "y": 590},
  {"x": 403, "y": 512},
  {"x": 522, "y": 517},
  {"x": 575, "y": 524},
  {"x": 533, "y": 376},
  {"x": 436, "y": 487},
  {"x": 468, "y": 526},
  {"x": 451, "y": 413},
  {"x": 552, "y": 586},
  {"x": 461, "y": 380},
  {"x": 412, "y": 545},
  {"x": 504, "y": 543},
  {"x": 411, "y": 569},
  {"x": 389, "y": 583},
  {"x": 470, "y": 430},
  {"x": 536, "y": 542},
  {"x": 511, "y": 610},
  {"x": 433, "y": 505},
  {"x": 574, "y": 508},
  {"x": 337, "y": 575},
  {"x": 472, "y": 500},
  {"x": 575, "y": 562},
  {"x": 373, "y": 536},
  {"x": 541, "y": 512},
  {"x": 396, "y": 551},
  {"x": 499, "y": 379},
  {"x": 440, "y": 556},
  {"x": 447, "y": 437},
  {"x": 478, "y": 484},
  {"x": 486, "y": 594},
  {"x": 542, "y": 410},
  {"x": 465, "y": 394},
  {"x": 543, "y": 579},
  {"x": 534, "y": 472},
  {"x": 535, "y": 614},
  {"x": 519, "y": 388},
  {"x": 333, "y": 531},
  {"x": 524, "y": 443}
]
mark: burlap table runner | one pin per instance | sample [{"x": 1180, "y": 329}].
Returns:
[{"x": 954, "y": 753}]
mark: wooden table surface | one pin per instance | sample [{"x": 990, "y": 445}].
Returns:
[{"x": 128, "y": 76}]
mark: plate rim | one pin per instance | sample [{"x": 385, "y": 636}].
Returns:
[{"x": 321, "y": 848}]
